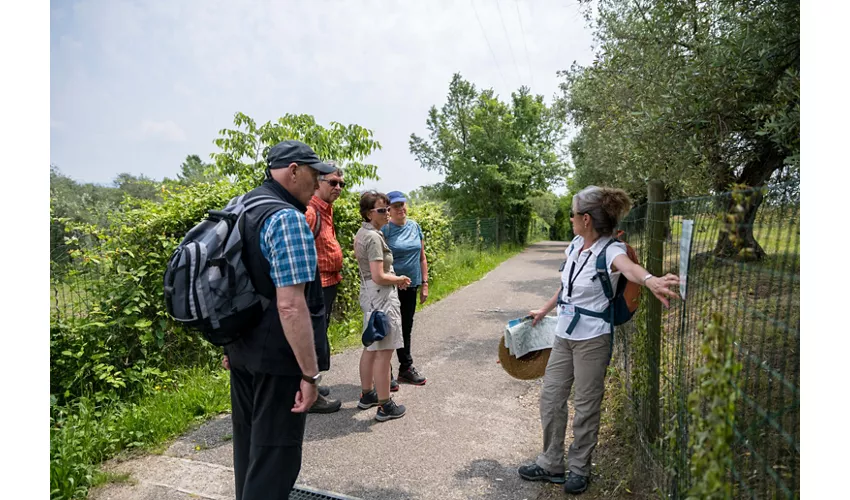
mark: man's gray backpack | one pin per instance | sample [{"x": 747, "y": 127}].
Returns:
[{"x": 207, "y": 286}]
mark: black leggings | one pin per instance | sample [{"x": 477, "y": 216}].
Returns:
[{"x": 407, "y": 298}]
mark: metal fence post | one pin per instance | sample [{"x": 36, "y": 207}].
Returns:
[{"x": 657, "y": 223}]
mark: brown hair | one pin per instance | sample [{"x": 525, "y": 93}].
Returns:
[
  {"x": 368, "y": 200},
  {"x": 606, "y": 207}
]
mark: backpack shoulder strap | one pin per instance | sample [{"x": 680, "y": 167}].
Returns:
[
  {"x": 260, "y": 201},
  {"x": 266, "y": 205},
  {"x": 602, "y": 271},
  {"x": 317, "y": 226}
]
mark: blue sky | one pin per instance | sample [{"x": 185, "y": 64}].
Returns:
[{"x": 136, "y": 86}]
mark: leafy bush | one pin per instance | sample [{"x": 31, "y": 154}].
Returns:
[
  {"x": 123, "y": 374},
  {"x": 121, "y": 335}
]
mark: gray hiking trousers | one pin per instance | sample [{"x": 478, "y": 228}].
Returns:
[{"x": 581, "y": 364}]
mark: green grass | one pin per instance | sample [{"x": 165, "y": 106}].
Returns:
[
  {"x": 345, "y": 334},
  {"x": 465, "y": 265},
  {"x": 88, "y": 433}
]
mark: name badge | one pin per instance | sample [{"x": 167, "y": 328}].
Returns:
[{"x": 567, "y": 310}]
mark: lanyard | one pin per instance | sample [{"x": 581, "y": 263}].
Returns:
[{"x": 572, "y": 280}]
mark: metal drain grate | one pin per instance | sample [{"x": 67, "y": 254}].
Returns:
[{"x": 301, "y": 492}]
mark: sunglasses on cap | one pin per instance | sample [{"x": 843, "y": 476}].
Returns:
[{"x": 334, "y": 183}]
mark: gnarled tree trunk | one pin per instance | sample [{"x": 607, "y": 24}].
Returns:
[{"x": 738, "y": 241}]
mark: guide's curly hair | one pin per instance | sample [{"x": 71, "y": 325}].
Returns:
[
  {"x": 368, "y": 200},
  {"x": 606, "y": 207}
]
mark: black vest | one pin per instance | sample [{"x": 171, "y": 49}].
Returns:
[{"x": 265, "y": 348}]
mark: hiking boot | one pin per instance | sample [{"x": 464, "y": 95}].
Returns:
[
  {"x": 324, "y": 390},
  {"x": 534, "y": 472},
  {"x": 368, "y": 400},
  {"x": 411, "y": 376},
  {"x": 389, "y": 411},
  {"x": 325, "y": 405},
  {"x": 576, "y": 484},
  {"x": 393, "y": 385}
]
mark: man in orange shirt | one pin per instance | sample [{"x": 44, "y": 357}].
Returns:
[{"x": 329, "y": 252}]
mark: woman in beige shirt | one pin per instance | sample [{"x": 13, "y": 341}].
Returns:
[{"x": 378, "y": 291}]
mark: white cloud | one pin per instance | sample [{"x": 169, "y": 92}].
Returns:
[{"x": 165, "y": 130}]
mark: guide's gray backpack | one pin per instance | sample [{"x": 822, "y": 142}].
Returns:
[{"x": 207, "y": 286}]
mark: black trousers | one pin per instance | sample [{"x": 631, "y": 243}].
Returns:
[
  {"x": 330, "y": 297},
  {"x": 267, "y": 436},
  {"x": 407, "y": 298}
]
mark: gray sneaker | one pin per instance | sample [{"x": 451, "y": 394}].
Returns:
[
  {"x": 534, "y": 472},
  {"x": 325, "y": 405},
  {"x": 389, "y": 411},
  {"x": 368, "y": 400},
  {"x": 576, "y": 484}
]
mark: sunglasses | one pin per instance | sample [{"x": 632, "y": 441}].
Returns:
[
  {"x": 381, "y": 210},
  {"x": 573, "y": 214},
  {"x": 335, "y": 183}
]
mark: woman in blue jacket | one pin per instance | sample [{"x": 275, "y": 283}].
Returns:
[{"x": 405, "y": 239}]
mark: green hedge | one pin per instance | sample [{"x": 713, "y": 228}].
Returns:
[{"x": 118, "y": 337}]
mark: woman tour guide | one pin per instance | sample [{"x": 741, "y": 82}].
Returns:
[{"x": 579, "y": 359}]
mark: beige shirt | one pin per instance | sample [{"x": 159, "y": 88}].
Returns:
[{"x": 369, "y": 246}]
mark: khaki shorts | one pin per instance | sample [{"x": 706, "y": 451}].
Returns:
[{"x": 375, "y": 297}]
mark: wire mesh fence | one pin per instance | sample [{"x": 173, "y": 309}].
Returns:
[
  {"x": 489, "y": 232},
  {"x": 478, "y": 233},
  {"x": 74, "y": 281},
  {"x": 739, "y": 255}
]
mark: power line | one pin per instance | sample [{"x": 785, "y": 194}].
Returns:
[
  {"x": 504, "y": 82},
  {"x": 516, "y": 66},
  {"x": 522, "y": 30}
]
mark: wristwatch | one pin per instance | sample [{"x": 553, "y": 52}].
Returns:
[
  {"x": 645, "y": 278},
  {"x": 313, "y": 380}
]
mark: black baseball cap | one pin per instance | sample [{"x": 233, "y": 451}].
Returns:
[{"x": 284, "y": 153}]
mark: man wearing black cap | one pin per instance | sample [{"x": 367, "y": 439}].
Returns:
[{"x": 275, "y": 367}]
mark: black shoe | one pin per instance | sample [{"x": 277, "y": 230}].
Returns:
[
  {"x": 576, "y": 484},
  {"x": 534, "y": 472},
  {"x": 325, "y": 405},
  {"x": 393, "y": 385},
  {"x": 368, "y": 400},
  {"x": 411, "y": 376},
  {"x": 389, "y": 411},
  {"x": 324, "y": 390}
]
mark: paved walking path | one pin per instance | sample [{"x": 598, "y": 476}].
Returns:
[{"x": 465, "y": 433}]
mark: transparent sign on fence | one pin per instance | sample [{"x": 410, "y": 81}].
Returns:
[{"x": 685, "y": 254}]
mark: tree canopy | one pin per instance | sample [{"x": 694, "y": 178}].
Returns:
[
  {"x": 701, "y": 95},
  {"x": 494, "y": 155}
]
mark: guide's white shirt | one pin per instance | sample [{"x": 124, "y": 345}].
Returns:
[{"x": 587, "y": 294}]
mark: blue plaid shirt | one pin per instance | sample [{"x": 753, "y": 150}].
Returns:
[{"x": 287, "y": 243}]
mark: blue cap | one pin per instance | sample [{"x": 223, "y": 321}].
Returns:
[
  {"x": 396, "y": 197},
  {"x": 376, "y": 329}
]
